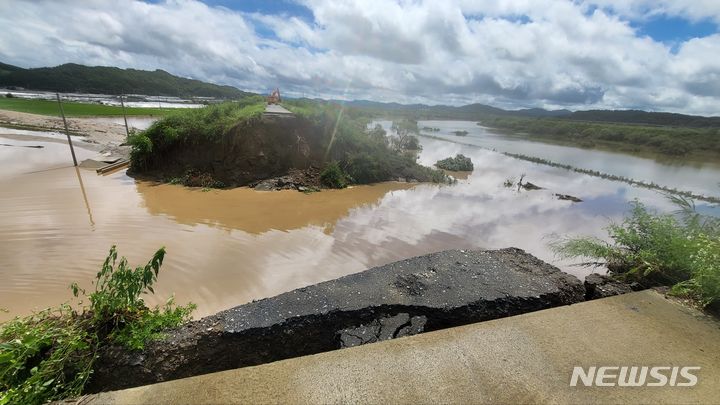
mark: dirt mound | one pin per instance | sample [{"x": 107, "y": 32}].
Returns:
[{"x": 252, "y": 151}]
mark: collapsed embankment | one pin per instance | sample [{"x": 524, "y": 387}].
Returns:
[{"x": 425, "y": 293}]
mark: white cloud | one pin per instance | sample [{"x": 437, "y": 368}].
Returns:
[{"x": 514, "y": 53}]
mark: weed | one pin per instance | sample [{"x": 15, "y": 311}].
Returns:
[
  {"x": 682, "y": 250},
  {"x": 49, "y": 355}
]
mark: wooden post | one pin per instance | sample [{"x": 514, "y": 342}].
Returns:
[
  {"x": 67, "y": 132},
  {"x": 127, "y": 130}
]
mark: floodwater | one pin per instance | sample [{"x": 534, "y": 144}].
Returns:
[
  {"x": 228, "y": 247},
  {"x": 700, "y": 177}
]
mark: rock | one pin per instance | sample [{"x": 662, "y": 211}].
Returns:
[
  {"x": 385, "y": 328},
  {"x": 425, "y": 293},
  {"x": 266, "y": 185},
  {"x": 601, "y": 286}
]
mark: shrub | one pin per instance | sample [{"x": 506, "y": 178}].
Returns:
[
  {"x": 333, "y": 176},
  {"x": 459, "y": 163},
  {"x": 682, "y": 250}
]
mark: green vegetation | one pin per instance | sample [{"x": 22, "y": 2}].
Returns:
[
  {"x": 405, "y": 138},
  {"x": 333, "y": 176},
  {"x": 190, "y": 127},
  {"x": 671, "y": 141},
  {"x": 460, "y": 163},
  {"x": 49, "y": 355},
  {"x": 366, "y": 156},
  {"x": 682, "y": 250},
  {"x": 74, "y": 109},
  {"x": 111, "y": 80}
]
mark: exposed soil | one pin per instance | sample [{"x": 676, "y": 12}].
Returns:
[{"x": 288, "y": 150}]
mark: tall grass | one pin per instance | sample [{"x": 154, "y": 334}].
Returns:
[{"x": 680, "y": 249}]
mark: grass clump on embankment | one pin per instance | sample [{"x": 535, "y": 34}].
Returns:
[
  {"x": 192, "y": 126},
  {"x": 49, "y": 355},
  {"x": 75, "y": 109},
  {"x": 680, "y": 250}
]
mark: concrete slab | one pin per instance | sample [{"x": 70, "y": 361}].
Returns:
[
  {"x": 277, "y": 109},
  {"x": 523, "y": 359}
]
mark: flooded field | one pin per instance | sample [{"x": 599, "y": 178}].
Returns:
[
  {"x": 697, "y": 176},
  {"x": 227, "y": 247}
]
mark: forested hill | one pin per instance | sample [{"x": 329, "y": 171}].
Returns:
[
  {"x": 477, "y": 112},
  {"x": 111, "y": 80},
  {"x": 644, "y": 117}
]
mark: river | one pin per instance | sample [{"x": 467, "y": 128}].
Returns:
[{"x": 228, "y": 247}]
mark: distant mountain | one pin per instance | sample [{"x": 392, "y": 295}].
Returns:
[
  {"x": 75, "y": 78},
  {"x": 540, "y": 112},
  {"x": 473, "y": 112}
]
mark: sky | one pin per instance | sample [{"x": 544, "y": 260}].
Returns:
[{"x": 655, "y": 55}]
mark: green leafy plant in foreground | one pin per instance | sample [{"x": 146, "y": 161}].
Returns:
[
  {"x": 49, "y": 355},
  {"x": 681, "y": 250}
]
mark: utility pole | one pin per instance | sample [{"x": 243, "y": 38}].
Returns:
[
  {"x": 127, "y": 130},
  {"x": 67, "y": 132}
]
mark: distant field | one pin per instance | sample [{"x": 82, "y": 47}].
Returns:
[{"x": 74, "y": 109}]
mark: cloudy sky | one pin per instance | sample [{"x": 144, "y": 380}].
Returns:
[{"x": 578, "y": 54}]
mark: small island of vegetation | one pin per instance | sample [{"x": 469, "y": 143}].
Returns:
[{"x": 459, "y": 163}]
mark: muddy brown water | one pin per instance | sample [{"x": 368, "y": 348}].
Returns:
[{"x": 228, "y": 247}]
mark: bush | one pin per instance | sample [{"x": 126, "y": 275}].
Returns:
[
  {"x": 679, "y": 250},
  {"x": 333, "y": 176},
  {"x": 49, "y": 355},
  {"x": 459, "y": 163}
]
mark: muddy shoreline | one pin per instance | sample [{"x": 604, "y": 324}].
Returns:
[{"x": 98, "y": 133}]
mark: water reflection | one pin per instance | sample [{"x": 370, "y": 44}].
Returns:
[
  {"x": 229, "y": 247},
  {"x": 257, "y": 212}
]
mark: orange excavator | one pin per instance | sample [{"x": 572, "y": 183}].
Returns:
[{"x": 274, "y": 97}]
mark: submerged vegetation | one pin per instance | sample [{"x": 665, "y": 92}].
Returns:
[
  {"x": 595, "y": 173},
  {"x": 459, "y": 163},
  {"x": 667, "y": 140},
  {"x": 50, "y": 354},
  {"x": 681, "y": 250}
]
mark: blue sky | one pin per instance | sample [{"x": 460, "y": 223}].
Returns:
[
  {"x": 673, "y": 30},
  {"x": 655, "y": 55}
]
